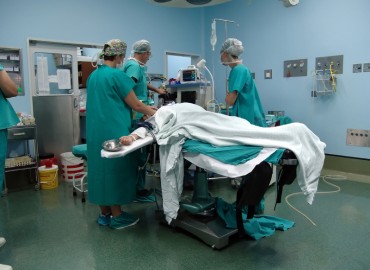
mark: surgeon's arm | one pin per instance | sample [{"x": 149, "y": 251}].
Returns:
[
  {"x": 160, "y": 91},
  {"x": 7, "y": 86},
  {"x": 138, "y": 106},
  {"x": 231, "y": 98}
]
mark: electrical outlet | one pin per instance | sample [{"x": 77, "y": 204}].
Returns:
[
  {"x": 276, "y": 113},
  {"x": 295, "y": 68},
  {"x": 366, "y": 67},
  {"x": 324, "y": 63},
  {"x": 357, "y": 68},
  {"x": 268, "y": 74},
  {"x": 358, "y": 137}
]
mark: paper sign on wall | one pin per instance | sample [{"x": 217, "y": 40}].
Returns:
[
  {"x": 64, "y": 78},
  {"x": 42, "y": 74}
]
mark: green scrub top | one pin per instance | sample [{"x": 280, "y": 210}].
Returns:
[
  {"x": 134, "y": 70},
  {"x": 8, "y": 119},
  {"x": 247, "y": 105},
  {"x": 111, "y": 181},
  {"x": 8, "y": 116}
]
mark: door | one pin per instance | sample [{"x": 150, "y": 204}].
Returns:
[{"x": 55, "y": 100}]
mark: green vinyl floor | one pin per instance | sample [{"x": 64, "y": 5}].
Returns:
[{"x": 51, "y": 229}]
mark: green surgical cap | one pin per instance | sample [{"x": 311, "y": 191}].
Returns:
[
  {"x": 114, "y": 47},
  {"x": 232, "y": 46},
  {"x": 141, "y": 46}
]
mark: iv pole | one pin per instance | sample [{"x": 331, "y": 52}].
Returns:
[{"x": 213, "y": 42}]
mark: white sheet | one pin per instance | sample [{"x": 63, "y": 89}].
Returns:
[
  {"x": 232, "y": 171},
  {"x": 175, "y": 123}
]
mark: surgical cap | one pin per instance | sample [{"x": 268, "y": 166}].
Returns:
[
  {"x": 141, "y": 46},
  {"x": 114, "y": 47},
  {"x": 232, "y": 46}
]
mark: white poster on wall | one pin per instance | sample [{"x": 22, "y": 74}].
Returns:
[
  {"x": 64, "y": 79},
  {"x": 42, "y": 75}
]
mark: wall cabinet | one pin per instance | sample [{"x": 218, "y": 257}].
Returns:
[
  {"x": 84, "y": 71},
  {"x": 11, "y": 60}
]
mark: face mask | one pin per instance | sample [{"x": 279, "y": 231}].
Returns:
[
  {"x": 120, "y": 65},
  {"x": 141, "y": 63},
  {"x": 233, "y": 62},
  {"x": 230, "y": 61}
]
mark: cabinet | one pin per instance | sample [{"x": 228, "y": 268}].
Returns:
[
  {"x": 196, "y": 93},
  {"x": 29, "y": 161},
  {"x": 84, "y": 71},
  {"x": 11, "y": 60}
]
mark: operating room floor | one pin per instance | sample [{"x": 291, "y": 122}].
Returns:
[{"x": 51, "y": 229}]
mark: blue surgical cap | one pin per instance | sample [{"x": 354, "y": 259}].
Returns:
[
  {"x": 141, "y": 46},
  {"x": 232, "y": 46}
]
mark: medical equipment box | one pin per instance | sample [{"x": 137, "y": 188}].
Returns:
[{"x": 189, "y": 75}]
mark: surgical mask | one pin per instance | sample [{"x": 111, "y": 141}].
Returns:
[
  {"x": 120, "y": 65},
  {"x": 230, "y": 60},
  {"x": 233, "y": 62},
  {"x": 99, "y": 61},
  {"x": 141, "y": 63}
]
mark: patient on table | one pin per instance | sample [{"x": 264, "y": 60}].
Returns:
[{"x": 173, "y": 125}]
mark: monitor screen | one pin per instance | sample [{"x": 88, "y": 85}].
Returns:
[{"x": 189, "y": 75}]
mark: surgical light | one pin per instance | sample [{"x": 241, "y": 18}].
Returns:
[
  {"x": 198, "y": 2},
  {"x": 188, "y": 3}
]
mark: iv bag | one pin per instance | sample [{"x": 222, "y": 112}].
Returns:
[{"x": 213, "y": 35}]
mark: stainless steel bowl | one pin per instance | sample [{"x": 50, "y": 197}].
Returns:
[{"x": 112, "y": 145}]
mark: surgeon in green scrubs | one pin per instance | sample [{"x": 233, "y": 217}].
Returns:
[
  {"x": 136, "y": 68},
  {"x": 8, "y": 117},
  {"x": 110, "y": 101},
  {"x": 242, "y": 92}
]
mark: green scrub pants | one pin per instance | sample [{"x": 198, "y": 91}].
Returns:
[
  {"x": 141, "y": 156},
  {"x": 3, "y": 150}
]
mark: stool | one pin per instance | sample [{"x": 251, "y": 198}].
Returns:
[{"x": 79, "y": 180}]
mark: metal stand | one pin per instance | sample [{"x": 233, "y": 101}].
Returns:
[
  {"x": 210, "y": 230},
  {"x": 199, "y": 217}
]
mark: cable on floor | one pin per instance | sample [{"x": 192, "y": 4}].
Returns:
[{"x": 325, "y": 178}]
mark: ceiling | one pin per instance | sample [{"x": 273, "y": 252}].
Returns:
[{"x": 188, "y": 3}]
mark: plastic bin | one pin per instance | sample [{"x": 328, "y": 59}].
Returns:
[
  {"x": 48, "y": 177},
  {"x": 72, "y": 166}
]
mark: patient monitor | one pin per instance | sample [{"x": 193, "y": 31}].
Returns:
[{"x": 189, "y": 75}]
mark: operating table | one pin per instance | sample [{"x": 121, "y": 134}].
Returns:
[{"x": 199, "y": 216}]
